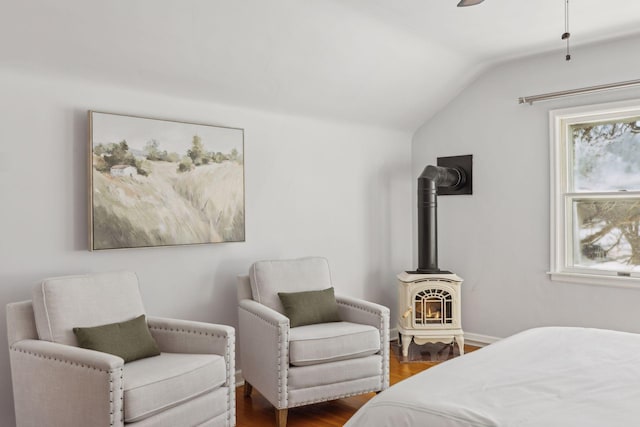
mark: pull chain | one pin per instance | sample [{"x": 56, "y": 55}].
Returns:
[{"x": 566, "y": 34}]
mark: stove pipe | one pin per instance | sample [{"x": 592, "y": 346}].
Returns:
[{"x": 431, "y": 178}]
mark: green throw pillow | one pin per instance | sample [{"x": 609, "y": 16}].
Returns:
[
  {"x": 310, "y": 307},
  {"x": 130, "y": 340}
]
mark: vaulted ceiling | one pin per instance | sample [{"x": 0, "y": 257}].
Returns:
[{"x": 391, "y": 63}]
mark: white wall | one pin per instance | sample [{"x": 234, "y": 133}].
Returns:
[
  {"x": 498, "y": 238},
  {"x": 312, "y": 188}
]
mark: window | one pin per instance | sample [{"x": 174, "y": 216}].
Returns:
[{"x": 595, "y": 194}]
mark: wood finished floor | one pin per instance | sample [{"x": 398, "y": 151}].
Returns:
[{"x": 256, "y": 411}]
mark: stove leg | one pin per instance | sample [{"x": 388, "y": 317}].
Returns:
[
  {"x": 460, "y": 341},
  {"x": 406, "y": 341}
]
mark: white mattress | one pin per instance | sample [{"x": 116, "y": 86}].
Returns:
[{"x": 543, "y": 377}]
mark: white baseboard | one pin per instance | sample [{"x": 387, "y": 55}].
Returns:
[
  {"x": 479, "y": 340},
  {"x": 239, "y": 378},
  {"x": 469, "y": 338},
  {"x": 393, "y": 334}
]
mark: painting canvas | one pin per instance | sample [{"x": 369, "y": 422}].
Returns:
[{"x": 159, "y": 182}]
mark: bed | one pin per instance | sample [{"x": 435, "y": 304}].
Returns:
[{"x": 553, "y": 376}]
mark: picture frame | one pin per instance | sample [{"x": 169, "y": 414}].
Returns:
[{"x": 155, "y": 182}]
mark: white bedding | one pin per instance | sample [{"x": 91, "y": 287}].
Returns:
[{"x": 543, "y": 377}]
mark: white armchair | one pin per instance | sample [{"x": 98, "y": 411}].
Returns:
[
  {"x": 57, "y": 383},
  {"x": 314, "y": 363}
]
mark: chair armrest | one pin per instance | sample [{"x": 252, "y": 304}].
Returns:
[
  {"x": 368, "y": 313},
  {"x": 360, "y": 311},
  {"x": 267, "y": 314},
  {"x": 186, "y": 336},
  {"x": 70, "y": 384},
  {"x": 264, "y": 350}
]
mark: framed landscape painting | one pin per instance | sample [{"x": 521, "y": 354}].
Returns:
[{"x": 160, "y": 182}]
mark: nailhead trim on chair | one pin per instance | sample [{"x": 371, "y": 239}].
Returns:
[
  {"x": 282, "y": 378},
  {"x": 111, "y": 403},
  {"x": 122, "y": 396},
  {"x": 341, "y": 396},
  {"x": 227, "y": 364},
  {"x": 359, "y": 307},
  {"x": 189, "y": 331},
  {"x": 231, "y": 382},
  {"x": 111, "y": 408},
  {"x": 384, "y": 339}
]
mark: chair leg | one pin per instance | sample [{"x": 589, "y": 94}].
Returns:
[
  {"x": 248, "y": 388},
  {"x": 281, "y": 417}
]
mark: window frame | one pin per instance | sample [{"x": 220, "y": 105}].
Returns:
[{"x": 562, "y": 195}]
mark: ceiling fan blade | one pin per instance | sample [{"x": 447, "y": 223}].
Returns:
[{"x": 464, "y": 3}]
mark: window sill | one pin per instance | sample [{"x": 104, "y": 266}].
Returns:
[{"x": 598, "y": 280}]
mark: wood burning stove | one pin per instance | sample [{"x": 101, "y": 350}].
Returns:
[
  {"x": 429, "y": 298},
  {"x": 429, "y": 307}
]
